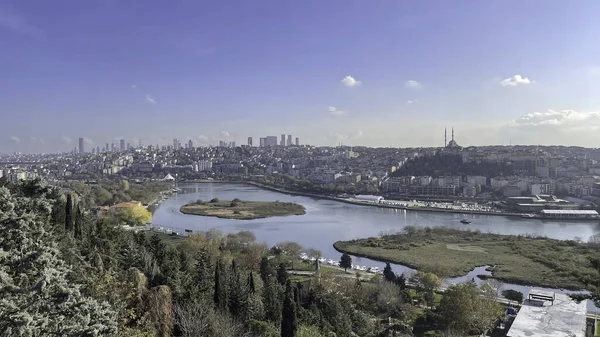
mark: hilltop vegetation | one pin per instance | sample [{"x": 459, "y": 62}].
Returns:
[
  {"x": 516, "y": 259},
  {"x": 242, "y": 210},
  {"x": 63, "y": 272}
]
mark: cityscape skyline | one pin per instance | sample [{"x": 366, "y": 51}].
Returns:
[{"x": 372, "y": 74}]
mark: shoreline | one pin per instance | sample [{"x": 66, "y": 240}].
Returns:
[
  {"x": 507, "y": 280},
  {"x": 413, "y": 209}
]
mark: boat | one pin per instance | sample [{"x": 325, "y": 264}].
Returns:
[{"x": 465, "y": 221}]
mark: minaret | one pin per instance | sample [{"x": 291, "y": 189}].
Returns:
[
  {"x": 445, "y": 137},
  {"x": 453, "y": 134}
]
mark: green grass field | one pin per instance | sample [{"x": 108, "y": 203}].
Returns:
[
  {"x": 242, "y": 210},
  {"x": 515, "y": 259}
]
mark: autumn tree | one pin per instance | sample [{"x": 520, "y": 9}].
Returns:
[{"x": 134, "y": 215}]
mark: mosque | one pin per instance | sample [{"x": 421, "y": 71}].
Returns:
[{"x": 452, "y": 144}]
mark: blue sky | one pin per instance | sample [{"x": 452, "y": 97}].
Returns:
[{"x": 380, "y": 73}]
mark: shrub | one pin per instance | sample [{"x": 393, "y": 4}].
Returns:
[{"x": 214, "y": 200}]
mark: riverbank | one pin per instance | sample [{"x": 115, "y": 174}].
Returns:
[
  {"x": 522, "y": 260},
  {"x": 380, "y": 205},
  {"x": 242, "y": 210}
]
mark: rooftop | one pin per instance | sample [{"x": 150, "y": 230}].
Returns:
[{"x": 562, "y": 318}]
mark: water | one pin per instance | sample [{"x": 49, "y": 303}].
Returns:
[{"x": 327, "y": 221}]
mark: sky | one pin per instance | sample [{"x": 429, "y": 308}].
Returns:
[{"x": 376, "y": 73}]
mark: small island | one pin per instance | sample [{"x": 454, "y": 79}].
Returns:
[
  {"x": 526, "y": 260},
  {"x": 242, "y": 210}
]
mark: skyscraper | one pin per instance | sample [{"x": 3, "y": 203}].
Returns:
[
  {"x": 81, "y": 145},
  {"x": 106, "y": 149},
  {"x": 263, "y": 141},
  {"x": 122, "y": 145},
  {"x": 289, "y": 140},
  {"x": 297, "y": 141},
  {"x": 249, "y": 141},
  {"x": 282, "y": 142}
]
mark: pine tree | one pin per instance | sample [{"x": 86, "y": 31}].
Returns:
[
  {"x": 238, "y": 294},
  {"x": 69, "y": 213},
  {"x": 282, "y": 275},
  {"x": 288, "y": 313},
  {"x": 217, "y": 289},
  {"x": 36, "y": 296}
]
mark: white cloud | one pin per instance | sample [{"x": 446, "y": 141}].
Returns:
[
  {"x": 358, "y": 134},
  {"x": 412, "y": 101},
  {"x": 16, "y": 23},
  {"x": 15, "y": 139},
  {"x": 88, "y": 141},
  {"x": 202, "y": 139},
  {"x": 350, "y": 81},
  {"x": 134, "y": 86},
  {"x": 67, "y": 140},
  {"x": 334, "y": 111},
  {"x": 515, "y": 81},
  {"x": 42, "y": 141},
  {"x": 412, "y": 84},
  {"x": 225, "y": 134},
  {"x": 562, "y": 119},
  {"x": 150, "y": 99}
]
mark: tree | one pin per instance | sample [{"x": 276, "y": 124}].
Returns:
[
  {"x": 271, "y": 301},
  {"x": 69, "y": 213},
  {"x": 125, "y": 185},
  {"x": 291, "y": 249},
  {"x": 346, "y": 262},
  {"x": 513, "y": 295},
  {"x": 251, "y": 285},
  {"x": 288, "y": 314},
  {"x": 134, "y": 215},
  {"x": 265, "y": 269},
  {"x": 220, "y": 293},
  {"x": 282, "y": 275},
  {"x": 36, "y": 296},
  {"x": 388, "y": 274},
  {"x": 203, "y": 272},
  {"x": 314, "y": 253},
  {"x": 465, "y": 308}
]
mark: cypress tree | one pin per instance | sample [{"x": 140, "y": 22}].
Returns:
[
  {"x": 271, "y": 301},
  {"x": 218, "y": 290},
  {"x": 78, "y": 222},
  {"x": 202, "y": 276},
  {"x": 288, "y": 314},
  {"x": 282, "y": 275},
  {"x": 265, "y": 269},
  {"x": 69, "y": 213},
  {"x": 388, "y": 274},
  {"x": 251, "y": 284}
]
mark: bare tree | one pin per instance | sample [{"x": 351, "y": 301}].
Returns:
[{"x": 199, "y": 319}]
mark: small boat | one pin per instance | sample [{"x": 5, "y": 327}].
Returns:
[{"x": 465, "y": 221}]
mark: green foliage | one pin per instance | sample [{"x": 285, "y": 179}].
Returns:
[
  {"x": 134, "y": 215},
  {"x": 346, "y": 261},
  {"x": 517, "y": 259},
  {"x": 214, "y": 200},
  {"x": 288, "y": 315},
  {"x": 36, "y": 296},
  {"x": 513, "y": 295},
  {"x": 282, "y": 275}
]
